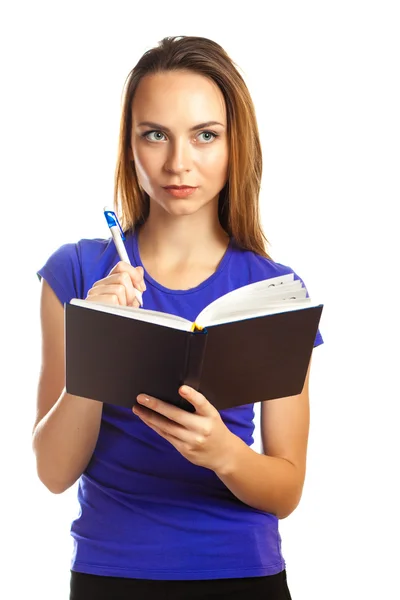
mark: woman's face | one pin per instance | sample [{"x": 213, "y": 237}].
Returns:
[{"x": 174, "y": 142}]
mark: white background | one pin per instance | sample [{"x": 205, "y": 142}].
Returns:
[{"x": 324, "y": 77}]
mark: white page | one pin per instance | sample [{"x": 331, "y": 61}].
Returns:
[
  {"x": 247, "y": 300},
  {"x": 242, "y": 295},
  {"x": 140, "y": 314},
  {"x": 274, "y": 308},
  {"x": 248, "y": 296},
  {"x": 249, "y": 305}
]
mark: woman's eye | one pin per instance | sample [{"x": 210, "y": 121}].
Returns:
[
  {"x": 158, "y": 136},
  {"x": 210, "y": 136},
  {"x": 155, "y": 133}
]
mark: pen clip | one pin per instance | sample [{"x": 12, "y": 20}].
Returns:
[{"x": 112, "y": 221}]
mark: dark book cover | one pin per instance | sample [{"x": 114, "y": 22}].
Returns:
[{"x": 112, "y": 358}]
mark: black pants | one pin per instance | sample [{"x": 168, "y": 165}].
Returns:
[{"x": 95, "y": 587}]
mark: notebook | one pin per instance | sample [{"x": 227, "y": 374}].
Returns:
[{"x": 249, "y": 345}]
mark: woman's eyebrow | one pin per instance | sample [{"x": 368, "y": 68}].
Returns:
[{"x": 199, "y": 126}]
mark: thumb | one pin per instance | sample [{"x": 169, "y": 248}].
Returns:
[{"x": 140, "y": 272}]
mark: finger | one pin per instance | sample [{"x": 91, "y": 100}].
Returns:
[
  {"x": 201, "y": 404},
  {"x": 161, "y": 424},
  {"x": 171, "y": 412},
  {"x": 133, "y": 279},
  {"x": 136, "y": 274},
  {"x": 110, "y": 294},
  {"x": 138, "y": 279},
  {"x": 126, "y": 280},
  {"x": 135, "y": 303},
  {"x": 126, "y": 293}
]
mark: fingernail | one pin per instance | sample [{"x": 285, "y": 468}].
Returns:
[{"x": 143, "y": 399}]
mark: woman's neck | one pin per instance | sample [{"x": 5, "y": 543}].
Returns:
[
  {"x": 181, "y": 252},
  {"x": 181, "y": 241}
]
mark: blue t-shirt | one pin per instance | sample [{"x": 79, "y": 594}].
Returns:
[{"x": 146, "y": 512}]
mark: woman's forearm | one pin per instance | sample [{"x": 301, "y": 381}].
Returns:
[
  {"x": 64, "y": 440},
  {"x": 264, "y": 482}
]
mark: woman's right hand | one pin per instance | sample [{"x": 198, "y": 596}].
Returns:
[{"x": 118, "y": 286}]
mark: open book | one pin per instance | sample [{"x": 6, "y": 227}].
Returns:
[
  {"x": 251, "y": 344},
  {"x": 257, "y": 299}
]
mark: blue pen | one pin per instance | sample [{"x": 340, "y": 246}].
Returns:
[{"x": 119, "y": 238}]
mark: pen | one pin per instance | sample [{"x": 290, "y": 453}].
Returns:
[{"x": 119, "y": 238}]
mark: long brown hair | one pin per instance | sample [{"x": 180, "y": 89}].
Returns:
[{"x": 238, "y": 205}]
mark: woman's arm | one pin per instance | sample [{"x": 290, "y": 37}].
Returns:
[
  {"x": 273, "y": 481},
  {"x": 66, "y": 427}
]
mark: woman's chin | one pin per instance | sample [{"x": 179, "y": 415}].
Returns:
[{"x": 182, "y": 207}]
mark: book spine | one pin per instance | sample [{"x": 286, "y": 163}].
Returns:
[{"x": 195, "y": 352}]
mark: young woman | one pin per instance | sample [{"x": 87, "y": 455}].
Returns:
[{"x": 173, "y": 504}]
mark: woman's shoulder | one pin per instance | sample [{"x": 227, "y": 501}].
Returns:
[
  {"x": 85, "y": 253},
  {"x": 95, "y": 249},
  {"x": 73, "y": 267}
]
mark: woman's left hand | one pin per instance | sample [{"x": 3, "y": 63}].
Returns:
[{"x": 201, "y": 437}]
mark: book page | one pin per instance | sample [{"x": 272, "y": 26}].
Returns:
[
  {"x": 270, "y": 309},
  {"x": 262, "y": 297},
  {"x": 140, "y": 314}
]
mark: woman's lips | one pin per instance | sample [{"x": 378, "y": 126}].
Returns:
[{"x": 181, "y": 192}]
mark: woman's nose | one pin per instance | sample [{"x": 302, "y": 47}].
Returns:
[{"x": 179, "y": 157}]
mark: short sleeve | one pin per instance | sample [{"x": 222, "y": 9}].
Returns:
[
  {"x": 63, "y": 273},
  {"x": 318, "y": 338}
]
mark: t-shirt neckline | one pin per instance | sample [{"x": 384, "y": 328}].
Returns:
[{"x": 149, "y": 279}]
